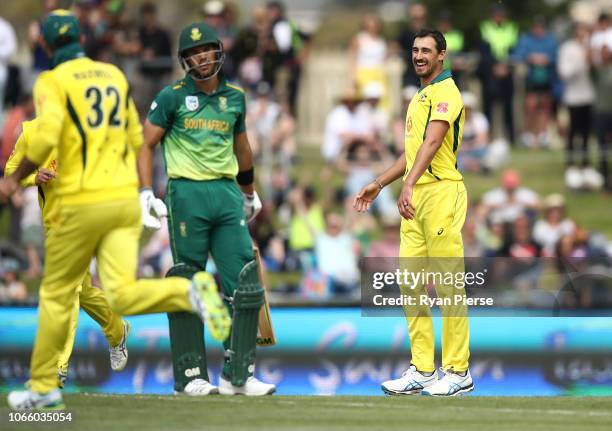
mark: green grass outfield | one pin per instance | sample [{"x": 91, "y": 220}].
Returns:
[{"x": 92, "y": 412}]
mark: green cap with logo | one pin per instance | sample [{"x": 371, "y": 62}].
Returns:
[
  {"x": 60, "y": 28},
  {"x": 197, "y": 34}
]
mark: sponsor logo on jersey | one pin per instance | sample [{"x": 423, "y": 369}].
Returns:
[
  {"x": 192, "y": 103},
  {"x": 223, "y": 103},
  {"x": 442, "y": 107},
  {"x": 408, "y": 124},
  {"x": 208, "y": 124}
]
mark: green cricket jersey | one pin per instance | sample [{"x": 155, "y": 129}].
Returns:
[{"x": 199, "y": 139}]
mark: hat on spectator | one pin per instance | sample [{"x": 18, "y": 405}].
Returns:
[
  {"x": 374, "y": 90},
  {"x": 510, "y": 179},
  {"x": 61, "y": 27},
  {"x": 213, "y": 7},
  {"x": 555, "y": 200},
  {"x": 349, "y": 95},
  {"x": 9, "y": 264}
]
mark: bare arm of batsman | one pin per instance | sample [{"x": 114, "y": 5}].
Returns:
[
  {"x": 148, "y": 202},
  {"x": 252, "y": 204}
]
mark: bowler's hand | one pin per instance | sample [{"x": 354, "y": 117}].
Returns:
[
  {"x": 366, "y": 196},
  {"x": 43, "y": 176},
  {"x": 404, "y": 203}
]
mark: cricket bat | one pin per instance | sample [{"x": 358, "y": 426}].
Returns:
[{"x": 265, "y": 330}]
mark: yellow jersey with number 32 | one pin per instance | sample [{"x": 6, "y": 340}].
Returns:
[
  {"x": 84, "y": 111},
  {"x": 440, "y": 100}
]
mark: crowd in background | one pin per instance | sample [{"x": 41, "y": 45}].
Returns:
[{"x": 313, "y": 231}]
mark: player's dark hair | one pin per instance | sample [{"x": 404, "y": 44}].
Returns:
[{"x": 436, "y": 35}]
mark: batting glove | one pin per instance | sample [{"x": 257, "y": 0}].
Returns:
[
  {"x": 149, "y": 202},
  {"x": 251, "y": 205}
]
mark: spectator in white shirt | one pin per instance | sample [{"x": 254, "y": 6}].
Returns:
[
  {"x": 337, "y": 253},
  {"x": 602, "y": 36},
  {"x": 346, "y": 124},
  {"x": 368, "y": 54},
  {"x": 379, "y": 117},
  {"x": 359, "y": 168},
  {"x": 8, "y": 47},
  {"x": 574, "y": 67},
  {"x": 12, "y": 289},
  {"x": 475, "y": 136},
  {"x": 548, "y": 231},
  {"x": 510, "y": 201},
  {"x": 271, "y": 130}
]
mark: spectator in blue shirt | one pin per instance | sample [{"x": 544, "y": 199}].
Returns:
[{"x": 538, "y": 50}]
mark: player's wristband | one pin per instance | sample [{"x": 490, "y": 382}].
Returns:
[{"x": 246, "y": 178}]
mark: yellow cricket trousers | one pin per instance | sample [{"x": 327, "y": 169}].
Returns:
[
  {"x": 434, "y": 235},
  {"x": 110, "y": 231},
  {"x": 93, "y": 301}
]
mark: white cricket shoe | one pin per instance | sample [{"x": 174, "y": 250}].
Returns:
[
  {"x": 30, "y": 400},
  {"x": 119, "y": 353},
  {"x": 412, "y": 382},
  {"x": 451, "y": 385},
  {"x": 198, "y": 388},
  {"x": 592, "y": 178},
  {"x": 252, "y": 388},
  {"x": 574, "y": 178}
]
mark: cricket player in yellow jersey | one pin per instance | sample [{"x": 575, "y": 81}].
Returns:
[
  {"x": 85, "y": 113},
  {"x": 433, "y": 204},
  {"x": 90, "y": 298}
]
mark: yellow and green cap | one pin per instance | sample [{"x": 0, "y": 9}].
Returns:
[{"x": 60, "y": 28}]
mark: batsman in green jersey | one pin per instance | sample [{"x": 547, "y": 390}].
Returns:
[{"x": 210, "y": 198}]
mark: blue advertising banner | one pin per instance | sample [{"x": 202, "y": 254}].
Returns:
[{"x": 324, "y": 351}]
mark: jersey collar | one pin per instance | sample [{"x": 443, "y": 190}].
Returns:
[
  {"x": 445, "y": 74},
  {"x": 66, "y": 53},
  {"x": 191, "y": 86}
]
